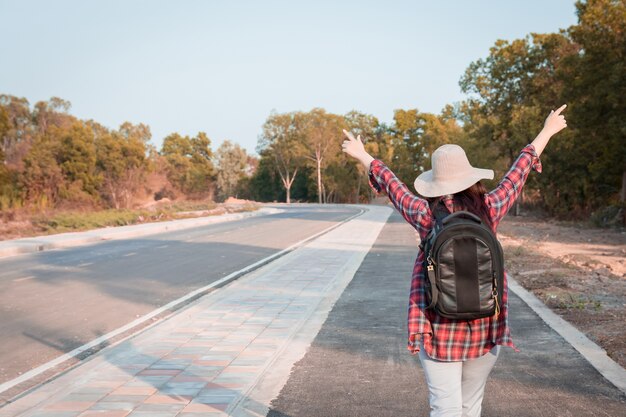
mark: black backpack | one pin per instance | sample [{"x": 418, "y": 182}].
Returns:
[{"x": 464, "y": 263}]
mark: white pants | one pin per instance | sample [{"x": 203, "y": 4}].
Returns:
[{"x": 456, "y": 388}]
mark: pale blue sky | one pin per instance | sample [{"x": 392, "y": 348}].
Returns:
[{"x": 222, "y": 66}]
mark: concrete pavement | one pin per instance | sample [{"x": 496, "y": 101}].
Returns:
[{"x": 336, "y": 309}]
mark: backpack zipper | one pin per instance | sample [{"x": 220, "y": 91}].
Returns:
[{"x": 431, "y": 262}]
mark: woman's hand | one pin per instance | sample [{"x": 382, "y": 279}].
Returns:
[
  {"x": 555, "y": 122},
  {"x": 354, "y": 148}
]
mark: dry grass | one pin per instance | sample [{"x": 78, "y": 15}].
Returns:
[{"x": 24, "y": 224}]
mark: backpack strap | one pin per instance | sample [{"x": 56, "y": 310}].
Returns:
[
  {"x": 463, "y": 215},
  {"x": 440, "y": 212},
  {"x": 438, "y": 215}
]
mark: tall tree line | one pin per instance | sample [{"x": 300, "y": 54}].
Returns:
[
  {"x": 509, "y": 93},
  {"x": 52, "y": 159},
  {"x": 301, "y": 158},
  {"x": 583, "y": 66}
]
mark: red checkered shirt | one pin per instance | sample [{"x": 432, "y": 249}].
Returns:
[{"x": 446, "y": 339}]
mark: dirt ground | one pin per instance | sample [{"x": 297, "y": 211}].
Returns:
[{"x": 578, "y": 272}]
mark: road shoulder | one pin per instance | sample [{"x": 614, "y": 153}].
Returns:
[{"x": 73, "y": 239}]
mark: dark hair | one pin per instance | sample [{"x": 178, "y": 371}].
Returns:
[{"x": 471, "y": 199}]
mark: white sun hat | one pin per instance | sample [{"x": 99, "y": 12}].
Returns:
[{"x": 451, "y": 173}]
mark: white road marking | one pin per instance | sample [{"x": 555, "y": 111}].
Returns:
[
  {"x": 194, "y": 239},
  {"x": 23, "y": 278},
  {"x": 85, "y": 264},
  {"x": 130, "y": 254},
  {"x": 162, "y": 246}
]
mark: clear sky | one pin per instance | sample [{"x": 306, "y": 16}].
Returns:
[{"x": 222, "y": 66}]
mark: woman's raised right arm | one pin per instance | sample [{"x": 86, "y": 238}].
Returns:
[{"x": 414, "y": 209}]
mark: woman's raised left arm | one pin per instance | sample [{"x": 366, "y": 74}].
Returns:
[
  {"x": 555, "y": 122},
  {"x": 502, "y": 198}
]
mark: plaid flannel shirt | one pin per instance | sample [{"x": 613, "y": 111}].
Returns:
[{"x": 446, "y": 339}]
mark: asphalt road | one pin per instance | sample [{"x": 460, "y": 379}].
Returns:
[
  {"x": 53, "y": 302},
  {"x": 358, "y": 364}
]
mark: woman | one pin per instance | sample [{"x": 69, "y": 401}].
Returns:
[{"x": 456, "y": 355}]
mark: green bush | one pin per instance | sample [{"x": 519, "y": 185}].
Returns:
[
  {"x": 70, "y": 221},
  {"x": 609, "y": 216}
]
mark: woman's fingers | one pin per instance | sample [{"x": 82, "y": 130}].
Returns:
[
  {"x": 351, "y": 145},
  {"x": 555, "y": 122},
  {"x": 349, "y": 135},
  {"x": 560, "y": 109},
  {"x": 345, "y": 145}
]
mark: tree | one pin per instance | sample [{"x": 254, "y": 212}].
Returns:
[
  {"x": 231, "y": 167},
  {"x": 5, "y": 176},
  {"x": 511, "y": 91},
  {"x": 321, "y": 141},
  {"x": 265, "y": 184},
  {"x": 17, "y": 132},
  {"x": 597, "y": 93},
  {"x": 500, "y": 85},
  {"x": 51, "y": 113},
  {"x": 10, "y": 193},
  {"x": 280, "y": 141},
  {"x": 190, "y": 166},
  {"x": 42, "y": 177},
  {"x": 5, "y": 127},
  {"x": 121, "y": 161},
  {"x": 76, "y": 156},
  {"x": 368, "y": 127},
  {"x": 408, "y": 155},
  {"x": 414, "y": 136},
  {"x": 342, "y": 180}
]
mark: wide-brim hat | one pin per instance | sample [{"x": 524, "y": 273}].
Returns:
[{"x": 451, "y": 173}]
